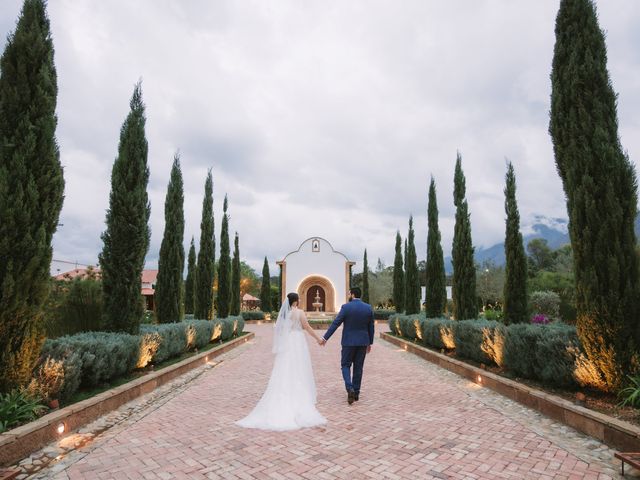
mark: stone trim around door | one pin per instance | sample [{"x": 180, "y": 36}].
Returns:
[{"x": 329, "y": 291}]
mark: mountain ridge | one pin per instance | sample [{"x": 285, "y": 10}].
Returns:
[{"x": 554, "y": 230}]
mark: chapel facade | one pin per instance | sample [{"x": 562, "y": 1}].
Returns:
[{"x": 318, "y": 274}]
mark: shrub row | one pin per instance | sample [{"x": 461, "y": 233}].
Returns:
[
  {"x": 253, "y": 315},
  {"x": 549, "y": 353},
  {"x": 95, "y": 358},
  {"x": 382, "y": 314}
]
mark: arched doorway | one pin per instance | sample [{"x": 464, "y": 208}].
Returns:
[
  {"x": 310, "y": 287},
  {"x": 316, "y": 294}
]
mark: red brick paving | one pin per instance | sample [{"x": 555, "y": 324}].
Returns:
[{"x": 409, "y": 423}]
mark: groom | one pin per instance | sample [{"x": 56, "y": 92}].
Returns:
[{"x": 357, "y": 337}]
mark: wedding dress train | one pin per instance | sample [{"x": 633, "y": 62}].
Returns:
[{"x": 289, "y": 401}]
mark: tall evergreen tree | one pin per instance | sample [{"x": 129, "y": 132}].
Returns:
[
  {"x": 280, "y": 292},
  {"x": 464, "y": 269},
  {"x": 436, "y": 287},
  {"x": 169, "y": 288},
  {"x": 365, "y": 278},
  {"x": 398, "y": 276},
  {"x": 190, "y": 282},
  {"x": 515, "y": 285},
  {"x": 265, "y": 289},
  {"x": 31, "y": 189},
  {"x": 234, "y": 307},
  {"x": 224, "y": 266},
  {"x": 205, "y": 269},
  {"x": 126, "y": 239},
  {"x": 405, "y": 276},
  {"x": 413, "y": 280},
  {"x": 601, "y": 189}
]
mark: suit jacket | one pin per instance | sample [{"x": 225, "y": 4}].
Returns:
[{"x": 358, "y": 329}]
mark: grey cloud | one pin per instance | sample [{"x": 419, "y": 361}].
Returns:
[{"x": 320, "y": 118}]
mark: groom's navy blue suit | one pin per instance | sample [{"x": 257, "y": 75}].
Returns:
[{"x": 357, "y": 335}]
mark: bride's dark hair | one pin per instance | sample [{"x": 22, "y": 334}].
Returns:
[{"x": 293, "y": 298}]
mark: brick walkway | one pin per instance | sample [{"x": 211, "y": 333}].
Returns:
[{"x": 413, "y": 420}]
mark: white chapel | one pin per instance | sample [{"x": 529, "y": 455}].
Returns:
[{"x": 319, "y": 274}]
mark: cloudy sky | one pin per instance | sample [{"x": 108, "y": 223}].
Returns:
[{"x": 319, "y": 118}]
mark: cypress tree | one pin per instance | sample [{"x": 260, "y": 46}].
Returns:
[
  {"x": 234, "y": 306},
  {"x": 31, "y": 190},
  {"x": 436, "y": 287},
  {"x": 464, "y": 269},
  {"x": 398, "y": 276},
  {"x": 126, "y": 239},
  {"x": 280, "y": 293},
  {"x": 265, "y": 289},
  {"x": 205, "y": 269},
  {"x": 405, "y": 276},
  {"x": 224, "y": 266},
  {"x": 412, "y": 279},
  {"x": 169, "y": 294},
  {"x": 365, "y": 278},
  {"x": 189, "y": 284},
  {"x": 515, "y": 285},
  {"x": 601, "y": 190}
]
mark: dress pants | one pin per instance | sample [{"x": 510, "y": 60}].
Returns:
[{"x": 353, "y": 356}]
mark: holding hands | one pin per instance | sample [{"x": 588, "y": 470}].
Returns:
[{"x": 321, "y": 341}]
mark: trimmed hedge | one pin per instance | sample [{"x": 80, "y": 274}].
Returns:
[
  {"x": 253, "y": 315},
  {"x": 102, "y": 356},
  {"x": 382, "y": 314},
  {"x": 469, "y": 336},
  {"x": 548, "y": 353},
  {"x": 96, "y": 358}
]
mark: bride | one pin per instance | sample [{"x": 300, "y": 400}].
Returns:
[{"x": 289, "y": 401}]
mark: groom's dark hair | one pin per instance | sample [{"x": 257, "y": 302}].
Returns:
[{"x": 356, "y": 292}]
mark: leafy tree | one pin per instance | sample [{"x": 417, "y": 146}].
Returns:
[
  {"x": 381, "y": 287},
  {"x": 169, "y": 292},
  {"x": 31, "y": 190},
  {"x": 126, "y": 239},
  {"x": 601, "y": 189},
  {"x": 249, "y": 281},
  {"x": 398, "y": 276},
  {"x": 365, "y": 279},
  {"x": 275, "y": 297},
  {"x": 515, "y": 288},
  {"x": 563, "y": 259},
  {"x": 436, "y": 287},
  {"x": 265, "y": 290},
  {"x": 189, "y": 284},
  {"x": 464, "y": 269},
  {"x": 412, "y": 281},
  {"x": 490, "y": 281},
  {"x": 540, "y": 255},
  {"x": 205, "y": 269},
  {"x": 77, "y": 306},
  {"x": 234, "y": 307},
  {"x": 224, "y": 266}
]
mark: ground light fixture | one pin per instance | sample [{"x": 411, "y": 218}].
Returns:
[
  {"x": 61, "y": 428},
  {"x": 479, "y": 379}
]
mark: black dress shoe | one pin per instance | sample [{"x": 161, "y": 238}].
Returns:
[
  {"x": 351, "y": 396},
  {"x": 356, "y": 396}
]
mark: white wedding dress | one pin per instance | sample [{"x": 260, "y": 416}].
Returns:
[{"x": 289, "y": 402}]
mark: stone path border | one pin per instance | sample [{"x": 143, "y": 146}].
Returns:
[
  {"x": 613, "y": 432},
  {"x": 20, "y": 442}
]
